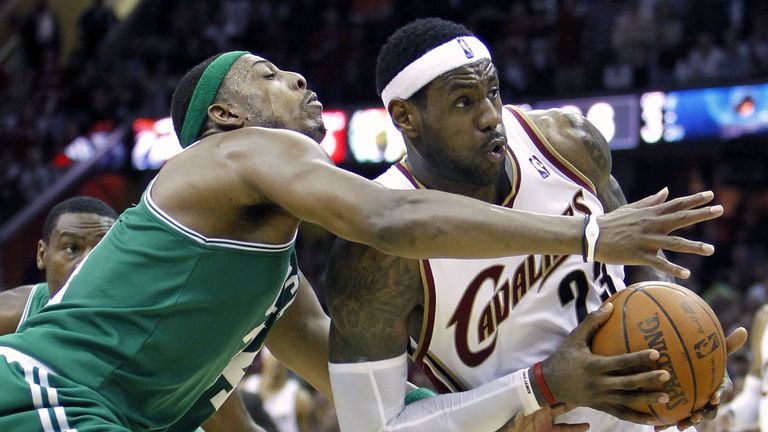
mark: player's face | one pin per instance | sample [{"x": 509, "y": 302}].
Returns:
[
  {"x": 462, "y": 136},
  {"x": 73, "y": 237},
  {"x": 280, "y": 99}
]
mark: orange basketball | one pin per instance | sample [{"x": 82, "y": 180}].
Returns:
[{"x": 683, "y": 329}]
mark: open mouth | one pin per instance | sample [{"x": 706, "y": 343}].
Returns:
[
  {"x": 496, "y": 152},
  {"x": 312, "y": 101}
]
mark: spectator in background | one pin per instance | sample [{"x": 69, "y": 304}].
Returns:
[
  {"x": 758, "y": 49},
  {"x": 618, "y": 73},
  {"x": 703, "y": 63},
  {"x": 567, "y": 46},
  {"x": 36, "y": 175},
  {"x": 669, "y": 41},
  {"x": 736, "y": 63},
  {"x": 40, "y": 34},
  {"x": 93, "y": 26},
  {"x": 633, "y": 36}
]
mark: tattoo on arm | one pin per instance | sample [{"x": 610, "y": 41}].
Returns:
[{"x": 369, "y": 296}]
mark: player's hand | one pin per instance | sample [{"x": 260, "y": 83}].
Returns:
[
  {"x": 733, "y": 343},
  {"x": 543, "y": 420},
  {"x": 607, "y": 383},
  {"x": 635, "y": 233}
]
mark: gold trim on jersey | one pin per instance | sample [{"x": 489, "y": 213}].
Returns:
[
  {"x": 543, "y": 139},
  {"x": 443, "y": 373}
]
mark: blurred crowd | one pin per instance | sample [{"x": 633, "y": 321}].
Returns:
[{"x": 122, "y": 70}]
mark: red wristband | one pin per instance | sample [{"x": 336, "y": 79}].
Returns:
[{"x": 548, "y": 398}]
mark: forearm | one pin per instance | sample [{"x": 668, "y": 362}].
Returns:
[
  {"x": 445, "y": 225},
  {"x": 370, "y": 397},
  {"x": 304, "y": 321}
]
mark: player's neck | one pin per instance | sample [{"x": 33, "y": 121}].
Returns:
[{"x": 492, "y": 193}]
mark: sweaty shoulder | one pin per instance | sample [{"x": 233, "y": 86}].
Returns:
[
  {"x": 577, "y": 140},
  {"x": 229, "y": 184}
]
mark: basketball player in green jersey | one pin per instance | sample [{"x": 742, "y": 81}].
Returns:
[
  {"x": 71, "y": 229},
  {"x": 159, "y": 322}
]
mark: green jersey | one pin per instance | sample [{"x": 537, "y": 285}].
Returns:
[
  {"x": 37, "y": 299},
  {"x": 158, "y": 316}
]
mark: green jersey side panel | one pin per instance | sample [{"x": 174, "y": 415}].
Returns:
[
  {"x": 157, "y": 315},
  {"x": 37, "y": 299}
]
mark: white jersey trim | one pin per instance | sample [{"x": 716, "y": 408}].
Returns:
[{"x": 199, "y": 238}]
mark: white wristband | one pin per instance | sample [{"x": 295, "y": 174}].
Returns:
[
  {"x": 591, "y": 232},
  {"x": 525, "y": 390}
]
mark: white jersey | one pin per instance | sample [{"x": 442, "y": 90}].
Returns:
[
  {"x": 281, "y": 406},
  {"x": 486, "y": 318}
]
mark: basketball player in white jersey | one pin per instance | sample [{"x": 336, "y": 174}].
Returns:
[
  {"x": 496, "y": 336},
  {"x": 743, "y": 413},
  {"x": 283, "y": 398}
]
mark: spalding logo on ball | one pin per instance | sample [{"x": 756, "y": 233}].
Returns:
[{"x": 683, "y": 329}]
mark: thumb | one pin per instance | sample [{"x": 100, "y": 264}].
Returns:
[
  {"x": 592, "y": 322},
  {"x": 649, "y": 201}
]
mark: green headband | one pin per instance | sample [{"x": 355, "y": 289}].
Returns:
[{"x": 204, "y": 94}]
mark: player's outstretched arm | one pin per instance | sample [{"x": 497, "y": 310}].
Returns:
[
  {"x": 299, "y": 339},
  {"x": 12, "y": 303},
  {"x": 370, "y": 296},
  {"x": 293, "y": 172}
]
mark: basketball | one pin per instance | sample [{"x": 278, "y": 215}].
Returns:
[{"x": 683, "y": 329}]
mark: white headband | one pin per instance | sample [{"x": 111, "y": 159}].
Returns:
[{"x": 453, "y": 54}]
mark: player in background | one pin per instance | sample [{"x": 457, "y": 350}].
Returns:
[
  {"x": 208, "y": 272},
  {"x": 475, "y": 327},
  {"x": 71, "y": 230},
  {"x": 283, "y": 398},
  {"x": 743, "y": 413}
]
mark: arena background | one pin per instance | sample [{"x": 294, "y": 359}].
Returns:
[{"x": 680, "y": 88}]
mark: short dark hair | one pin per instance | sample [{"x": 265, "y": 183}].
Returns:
[
  {"x": 411, "y": 42},
  {"x": 79, "y": 204},
  {"x": 182, "y": 96}
]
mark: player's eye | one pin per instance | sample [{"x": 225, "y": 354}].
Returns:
[
  {"x": 463, "y": 102},
  {"x": 71, "y": 249},
  {"x": 494, "y": 93}
]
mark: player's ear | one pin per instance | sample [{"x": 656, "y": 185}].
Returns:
[
  {"x": 406, "y": 117},
  {"x": 40, "y": 255},
  {"x": 225, "y": 116}
]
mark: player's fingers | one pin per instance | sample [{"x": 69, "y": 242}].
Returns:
[
  {"x": 665, "y": 266},
  {"x": 562, "y": 409},
  {"x": 684, "y": 218},
  {"x": 692, "y": 420},
  {"x": 583, "y": 332},
  {"x": 736, "y": 340},
  {"x": 627, "y": 414},
  {"x": 637, "y": 398},
  {"x": 686, "y": 202},
  {"x": 642, "y": 360},
  {"x": 570, "y": 427},
  {"x": 683, "y": 245},
  {"x": 649, "y": 201},
  {"x": 636, "y": 381}
]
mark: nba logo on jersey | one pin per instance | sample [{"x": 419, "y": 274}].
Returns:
[
  {"x": 543, "y": 171},
  {"x": 467, "y": 51}
]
